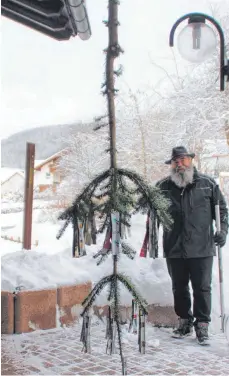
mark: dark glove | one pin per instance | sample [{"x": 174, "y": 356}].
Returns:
[{"x": 220, "y": 238}]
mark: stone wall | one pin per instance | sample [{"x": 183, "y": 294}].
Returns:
[{"x": 27, "y": 311}]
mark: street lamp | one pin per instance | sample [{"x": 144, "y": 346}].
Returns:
[{"x": 197, "y": 41}]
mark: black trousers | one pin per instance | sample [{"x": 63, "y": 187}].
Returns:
[{"x": 199, "y": 272}]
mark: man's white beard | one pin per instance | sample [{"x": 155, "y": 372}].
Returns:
[{"x": 183, "y": 178}]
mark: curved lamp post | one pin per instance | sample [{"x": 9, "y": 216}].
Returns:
[{"x": 197, "y": 41}]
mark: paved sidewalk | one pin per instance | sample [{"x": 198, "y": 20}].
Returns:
[{"x": 59, "y": 352}]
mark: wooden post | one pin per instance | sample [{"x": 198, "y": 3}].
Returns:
[{"x": 28, "y": 210}]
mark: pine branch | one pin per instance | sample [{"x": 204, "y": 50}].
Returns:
[
  {"x": 124, "y": 200},
  {"x": 103, "y": 125},
  {"x": 99, "y": 118},
  {"x": 103, "y": 256},
  {"x": 63, "y": 228},
  {"x": 131, "y": 288},
  {"x": 119, "y": 71},
  {"x": 101, "y": 195},
  {"x": 95, "y": 292},
  {"x": 127, "y": 250}
]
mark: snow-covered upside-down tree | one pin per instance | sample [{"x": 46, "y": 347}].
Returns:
[{"x": 114, "y": 195}]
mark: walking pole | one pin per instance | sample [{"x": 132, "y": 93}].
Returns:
[
  {"x": 142, "y": 332},
  {"x": 220, "y": 259}
]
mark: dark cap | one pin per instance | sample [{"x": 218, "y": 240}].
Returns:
[{"x": 179, "y": 151}]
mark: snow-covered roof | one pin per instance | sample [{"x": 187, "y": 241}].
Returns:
[
  {"x": 49, "y": 159},
  {"x": 224, "y": 174},
  {"x": 37, "y": 162},
  {"x": 7, "y": 173}
]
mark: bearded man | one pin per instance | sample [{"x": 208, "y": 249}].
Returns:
[{"x": 189, "y": 245}]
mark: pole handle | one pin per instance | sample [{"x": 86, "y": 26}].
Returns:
[
  {"x": 217, "y": 194},
  {"x": 217, "y": 208}
]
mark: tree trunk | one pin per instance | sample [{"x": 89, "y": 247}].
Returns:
[{"x": 112, "y": 53}]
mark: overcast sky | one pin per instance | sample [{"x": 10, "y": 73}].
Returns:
[{"x": 47, "y": 82}]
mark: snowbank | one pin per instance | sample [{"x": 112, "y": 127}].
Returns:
[
  {"x": 51, "y": 264},
  {"x": 33, "y": 270}
]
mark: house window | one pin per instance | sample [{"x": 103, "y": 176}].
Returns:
[
  {"x": 56, "y": 177},
  {"x": 48, "y": 175}
]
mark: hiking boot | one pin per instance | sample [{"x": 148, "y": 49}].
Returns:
[
  {"x": 202, "y": 337},
  {"x": 185, "y": 329}
]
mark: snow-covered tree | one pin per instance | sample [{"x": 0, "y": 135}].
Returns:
[
  {"x": 84, "y": 158},
  {"x": 140, "y": 134},
  {"x": 181, "y": 110},
  {"x": 198, "y": 104}
]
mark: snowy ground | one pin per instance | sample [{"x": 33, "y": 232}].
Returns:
[
  {"x": 50, "y": 264},
  {"x": 17, "y": 205},
  {"x": 59, "y": 352}
]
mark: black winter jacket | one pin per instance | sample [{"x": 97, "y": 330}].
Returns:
[{"x": 193, "y": 211}]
